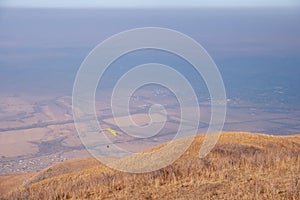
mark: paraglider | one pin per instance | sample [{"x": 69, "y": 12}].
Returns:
[{"x": 112, "y": 131}]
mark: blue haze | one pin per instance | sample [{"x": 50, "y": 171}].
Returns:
[{"x": 257, "y": 50}]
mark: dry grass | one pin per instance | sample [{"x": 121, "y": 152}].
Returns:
[{"x": 241, "y": 166}]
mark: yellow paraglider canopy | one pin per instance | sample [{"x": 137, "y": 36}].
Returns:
[{"x": 109, "y": 130}]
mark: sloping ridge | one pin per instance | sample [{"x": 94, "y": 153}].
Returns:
[
  {"x": 59, "y": 169},
  {"x": 88, "y": 178}
]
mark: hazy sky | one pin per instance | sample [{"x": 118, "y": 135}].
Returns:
[
  {"x": 256, "y": 50},
  {"x": 146, "y": 3}
]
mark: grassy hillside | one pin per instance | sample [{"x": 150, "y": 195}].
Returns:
[{"x": 241, "y": 166}]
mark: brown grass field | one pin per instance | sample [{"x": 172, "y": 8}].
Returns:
[{"x": 241, "y": 166}]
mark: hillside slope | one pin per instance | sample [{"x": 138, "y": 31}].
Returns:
[{"x": 241, "y": 166}]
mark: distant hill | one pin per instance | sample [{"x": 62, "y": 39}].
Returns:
[{"x": 241, "y": 166}]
